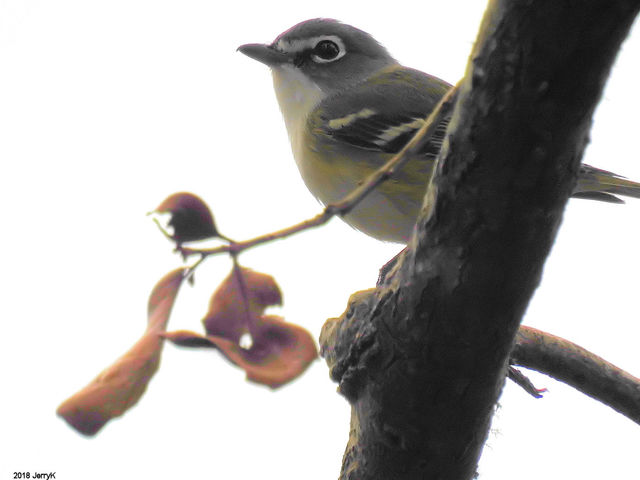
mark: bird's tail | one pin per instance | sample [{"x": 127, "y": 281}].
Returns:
[{"x": 597, "y": 184}]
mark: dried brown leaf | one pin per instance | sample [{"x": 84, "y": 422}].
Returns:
[
  {"x": 279, "y": 351},
  {"x": 185, "y": 338},
  {"x": 238, "y": 303},
  {"x": 122, "y": 384},
  {"x": 191, "y": 218}
]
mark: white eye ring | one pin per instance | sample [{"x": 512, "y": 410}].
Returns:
[{"x": 334, "y": 40}]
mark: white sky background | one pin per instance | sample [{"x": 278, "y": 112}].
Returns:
[{"x": 108, "y": 107}]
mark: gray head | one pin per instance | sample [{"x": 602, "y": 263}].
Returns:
[{"x": 332, "y": 54}]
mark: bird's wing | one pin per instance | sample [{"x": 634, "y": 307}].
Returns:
[{"x": 389, "y": 122}]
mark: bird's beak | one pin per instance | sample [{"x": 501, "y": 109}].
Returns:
[{"x": 264, "y": 54}]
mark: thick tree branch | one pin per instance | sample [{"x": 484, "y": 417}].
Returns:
[
  {"x": 569, "y": 363},
  {"x": 422, "y": 359}
]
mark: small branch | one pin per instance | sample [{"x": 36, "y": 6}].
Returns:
[
  {"x": 237, "y": 247},
  {"x": 569, "y": 363},
  {"x": 520, "y": 379},
  {"x": 344, "y": 206}
]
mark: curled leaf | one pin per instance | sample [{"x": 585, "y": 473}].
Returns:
[
  {"x": 121, "y": 385},
  {"x": 238, "y": 303},
  {"x": 185, "y": 338},
  {"x": 279, "y": 351},
  {"x": 191, "y": 218}
]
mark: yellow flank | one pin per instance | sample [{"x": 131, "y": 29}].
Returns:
[{"x": 389, "y": 212}]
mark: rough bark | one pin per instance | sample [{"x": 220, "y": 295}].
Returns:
[{"x": 422, "y": 358}]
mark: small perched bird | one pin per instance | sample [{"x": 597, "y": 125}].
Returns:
[{"x": 349, "y": 106}]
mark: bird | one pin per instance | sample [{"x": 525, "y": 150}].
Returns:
[{"x": 349, "y": 106}]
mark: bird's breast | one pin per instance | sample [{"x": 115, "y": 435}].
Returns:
[{"x": 297, "y": 96}]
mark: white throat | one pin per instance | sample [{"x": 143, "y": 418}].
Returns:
[{"x": 297, "y": 96}]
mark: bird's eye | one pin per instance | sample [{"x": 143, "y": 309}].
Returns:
[{"x": 326, "y": 51}]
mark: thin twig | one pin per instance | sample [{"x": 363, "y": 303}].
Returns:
[
  {"x": 520, "y": 379},
  {"x": 163, "y": 230},
  {"x": 344, "y": 206}
]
